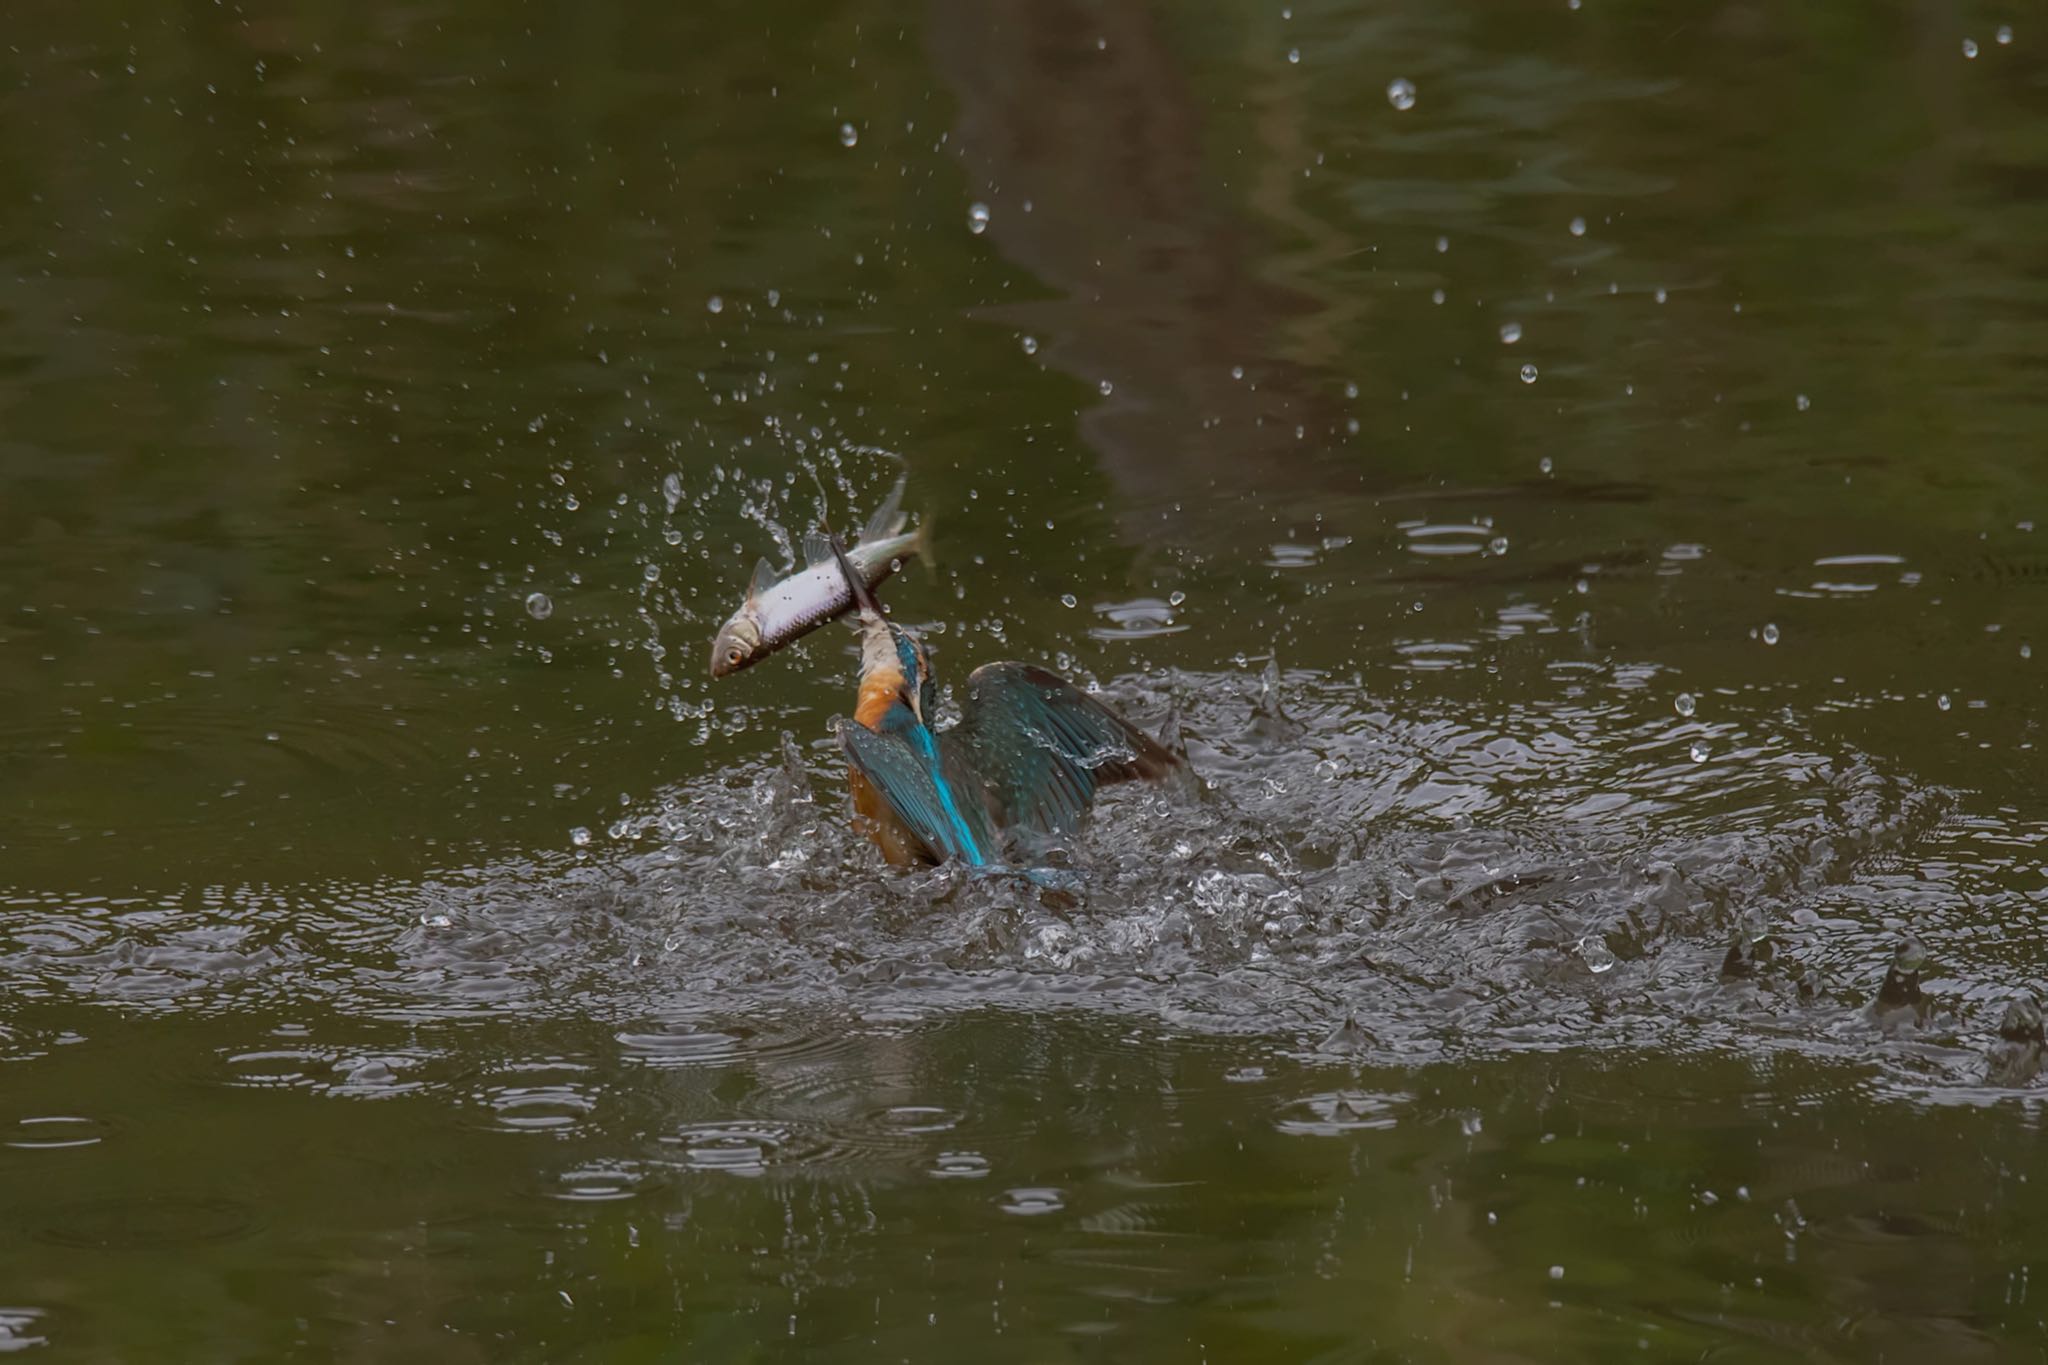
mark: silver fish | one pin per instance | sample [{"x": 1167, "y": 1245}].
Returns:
[{"x": 775, "y": 614}]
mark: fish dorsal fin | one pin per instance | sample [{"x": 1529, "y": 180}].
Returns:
[
  {"x": 888, "y": 518},
  {"x": 817, "y": 549},
  {"x": 764, "y": 577}
]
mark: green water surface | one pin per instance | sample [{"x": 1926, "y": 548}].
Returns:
[{"x": 1589, "y": 518}]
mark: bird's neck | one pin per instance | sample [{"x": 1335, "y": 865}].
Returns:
[{"x": 881, "y": 691}]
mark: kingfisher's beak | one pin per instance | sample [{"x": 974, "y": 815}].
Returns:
[{"x": 861, "y": 596}]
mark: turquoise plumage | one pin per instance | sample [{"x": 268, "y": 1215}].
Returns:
[{"x": 1022, "y": 765}]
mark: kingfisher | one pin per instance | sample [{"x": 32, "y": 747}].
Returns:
[{"x": 1019, "y": 768}]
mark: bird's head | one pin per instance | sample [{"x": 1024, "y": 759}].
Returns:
[{"x": 890, "y": 655}]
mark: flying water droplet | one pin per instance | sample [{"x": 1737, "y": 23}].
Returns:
[
  {"x": 1069, "y": 601},
  {"x": 1294, "y": 56},
  {"x": 2004, "y": 35},
  {"x": 1107, "y": 388},
  {"x": 1030, "y": 345},
  {"x": 1802, "y": 402},
  {"x": 1578, "y": 227},
  {"x": 1969, "y": 47},
  {"x": 715, "y": 304},
  {"x": 580, "y": 837},
  {"x": 1498, "y": 545},
  {"x": 1443, "y": 244},
  {"x": 1528, "y": 374},
  {"x": 1770, "y": 632},
  {"x": 1942, "y": 701},
  {"x": 1660, "y": 296},
  {"x": 848, "y": 135},
  {"x": 540, "y": 606},
  {"x": 1599, "y": 958},
  {"x": 1401, "y": 93},
  {"x": 1543, "y": 466},
  {"x": 977, "y": 218},
  {"x": 1510, "y": 332},
  {"x": 1699, "y": 751},
  {"x": 1684, "y": 704}
]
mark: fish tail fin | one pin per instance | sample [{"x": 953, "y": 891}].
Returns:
[
  {"x": 888, "y": 519},
  {"x": 922, "y": 545}
]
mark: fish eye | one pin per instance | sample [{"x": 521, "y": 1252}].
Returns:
[{"x": 734, "y": 655}]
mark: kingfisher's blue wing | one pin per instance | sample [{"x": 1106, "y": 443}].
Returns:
[
  {"x": 942, "y": 807},
  {"x": 1042, "y": 746}
]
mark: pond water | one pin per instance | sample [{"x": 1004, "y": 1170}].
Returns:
[{"x": 1568, "y": 473}]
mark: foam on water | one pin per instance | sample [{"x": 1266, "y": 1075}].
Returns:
[{"x": 1402, "y": 884}]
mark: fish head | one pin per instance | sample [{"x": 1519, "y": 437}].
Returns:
[{"x": 739, "y": 643}]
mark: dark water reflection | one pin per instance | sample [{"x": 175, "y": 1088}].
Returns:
[{"x": 1583, "y": 528}]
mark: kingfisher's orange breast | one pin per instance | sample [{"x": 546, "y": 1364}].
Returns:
[
  {"x": 872, "y": 817},
  {"x": 878, "y": 692}
]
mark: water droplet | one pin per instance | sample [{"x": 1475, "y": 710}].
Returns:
[
  {"x": 1499, "y": 545},
  {"x": 1528, "y": 374},
  {"x": 1030, "y": 345},
  {"x": 1175, "y": 598},
  {"x": 1401, "y": 93},
  {"x": 1942, "y": 701},
  {"x": 1107, "y": 388},
  {"x": 1969, "y": 47},
  {"x": 1510, "y": 332},
  {"x": 1597, "y": 956},
  {"x": 1237, "y": 372},
  {"x": 571, "y": 503},
  {"x": 2004, "y": 35},
  {"x": 1660, "y": 296},
  {"x": 1294, "y": 56},
  {"x": 272, "y": 736},
  {"x": 1578, "y": 227},
  {"x": 715, "y": 304},
  {"x": 1351, "y": 390},
  {"x": 1443, "y": 244},
  {"x": 848, "y": 135},
  {"x": 2026, "y": 651},
  {"x": 540, "y": 606},
  {"x": 1068, "y": 600},
  {"x": 580, "y": 837},
  {"x": 1543, "y": 465},
  {"x": 651, "y": 572},
  {"x": 1557, "y": 1272},
  {"x": 977, "y": 218},
  {"x": 1684, "y": 704},
  {"x": 1699, "y": 751},
  {"x": 1770, "y": 632},
  {"x": 1436, "y": 296},
  {"x": 1802, "y": 402}
]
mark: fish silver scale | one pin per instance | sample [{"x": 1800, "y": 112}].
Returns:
[{"x": 803, "y": 602}]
